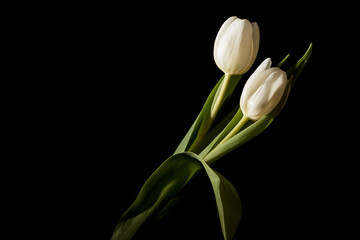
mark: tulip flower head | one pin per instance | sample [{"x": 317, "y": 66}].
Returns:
[
  {"x": 263, "y": 90},
  {"x": 236, "y": 45}
]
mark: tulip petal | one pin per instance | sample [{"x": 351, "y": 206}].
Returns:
[
  {"x": 241, "y": 53},
  {"x": 236, "y": 46},
  {"x": 228, "y": 46},
  {"x": 253, "y": 83},
  {"x": 256, "y": 39},
  {"x": 268, "y": 95},
  {"x": 218, "y": 39},
  {"x": 223, "y": 29},
  {"x": 255, "y": 46}
]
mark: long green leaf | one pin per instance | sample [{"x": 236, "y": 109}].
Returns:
[
  {"x": 210, "y": 137},
  {"x": 227, "y": 201},
  {"x": 192, "y": 133},
  {"x": 163, "y": 187},
  {"x": 294, "y": 72},
  {"x": 222, "y": 135},
  {"x": 239, "y": 139},
  {"x": 202, "y": 118}
]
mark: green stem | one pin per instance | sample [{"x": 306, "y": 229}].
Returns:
[
  {"x": 219, "y": 100},
  {"x": 232, "y": 133},
  {"x": 235, "y": 130}
]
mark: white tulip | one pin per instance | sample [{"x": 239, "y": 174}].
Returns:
[
  {"x": 235, "y": 49},
  {"x": 261, "y": 93},
  {"x": 263, "y": 90},
  {"x": 236, "y": 46}
]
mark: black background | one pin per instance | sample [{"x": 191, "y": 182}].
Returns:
[{"x": 116, "y": 87}]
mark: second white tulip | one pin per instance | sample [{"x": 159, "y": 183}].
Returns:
[{"x": 263, "y": 90}]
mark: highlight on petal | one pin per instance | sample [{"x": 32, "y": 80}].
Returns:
[
  {"x": 236, "y": 45},
  {"x": 263, "y": 90}
]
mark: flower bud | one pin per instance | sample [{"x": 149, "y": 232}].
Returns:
[
  {"x": 236, "y": 45},
  {"x": 263, "y": 90}
]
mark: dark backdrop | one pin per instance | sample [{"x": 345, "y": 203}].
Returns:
[{"x": 119, "y": 86}]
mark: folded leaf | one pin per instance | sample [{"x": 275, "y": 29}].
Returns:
[
  {"x": 164, "y": 185},
  {"x": 227, "y": 201}
]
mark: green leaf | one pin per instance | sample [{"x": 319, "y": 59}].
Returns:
[
  {"x": 223, "y": 134},
  {"x": 161, "y": 187},
  {"x": 164, "y": 185},
  {"x": 188, "y": 139},
  {"x": 210, "y": 137},
  {"x": 202, "y": 119},
  {"x": 192, "y": 133},
  {"x": 283, "y": 61},
  {"x": 239, "y": 139},
  {"x": 294, "y": 72},
  {"x": 227, "y": 201}
]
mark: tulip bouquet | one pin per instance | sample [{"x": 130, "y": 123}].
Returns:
[{"x": 209, "y": 138}]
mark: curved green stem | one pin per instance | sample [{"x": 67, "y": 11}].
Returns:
[
  {"x": 220, "y": 98},
  {"x": 235, "y": 130}
]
